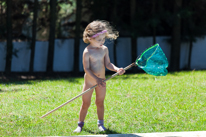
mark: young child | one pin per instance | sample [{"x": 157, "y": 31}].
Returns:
[{"x": 95, "y": 59}]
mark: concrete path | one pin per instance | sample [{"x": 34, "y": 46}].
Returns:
[{"x": 163, "y": 134}]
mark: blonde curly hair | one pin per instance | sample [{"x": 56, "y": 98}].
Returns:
[{"x": 98, "y": 26}]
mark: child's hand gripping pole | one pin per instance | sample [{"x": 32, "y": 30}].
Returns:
[{"x": 126, "y": 68}]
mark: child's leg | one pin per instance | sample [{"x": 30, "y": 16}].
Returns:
[
  {"x": 86, "y": 101},
  {"x": 100, "y": 96}
]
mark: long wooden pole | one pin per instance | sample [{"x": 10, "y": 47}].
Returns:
[{"x": 126, "y": 68}]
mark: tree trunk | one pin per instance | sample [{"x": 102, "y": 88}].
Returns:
[
  {"x": 113, "y": 17},
  {"x": 133, "y": 36},
  {"x": 77, "y": 37},
  {"x": 9, "y": 36},
  {"x": 190, "y": 54},
  {"x": 154, "y": 25},
  {"x": 50, "y": 58},
  {"x": 176, "y": 37},
  {"x": 33, "y": 35}
]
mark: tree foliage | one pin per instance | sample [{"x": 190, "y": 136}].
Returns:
[
  {"x": 147, "y": 15},
  {"x": 132, "y": 18}
]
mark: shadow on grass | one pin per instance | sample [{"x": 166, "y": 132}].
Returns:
[
  {"x": 10, "y": 90},
  {"x": 21, "y": 81},
  {"x": 9, "y": 82},
  {"x": 146, "y": 77},
  {"x": 109, "y": 131}
]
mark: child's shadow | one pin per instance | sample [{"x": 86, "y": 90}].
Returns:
[{"x": 108, "y": 131}]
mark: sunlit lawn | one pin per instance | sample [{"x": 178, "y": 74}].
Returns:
[{"x": 135, "y": 103}]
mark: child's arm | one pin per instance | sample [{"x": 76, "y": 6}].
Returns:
[
  {"x": 111, "y": 66},
  {"x": 87, "y": 70}
]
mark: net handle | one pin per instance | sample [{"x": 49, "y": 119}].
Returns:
[{"x": 126, "y": 68}]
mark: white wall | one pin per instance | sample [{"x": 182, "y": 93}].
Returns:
[
  {"x": 198, "y": 60},
  {"x": 81, "y": 49},
  {"x": 20, "y": 62},
  {"x": 2, "y": 56},
  {"x": 184, "y": 55},
  {"x": 40, "y": 56},
  {"x": 64, "y": 53},
  {"x": 123, "y": 52}
]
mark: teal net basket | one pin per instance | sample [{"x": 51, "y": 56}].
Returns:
[{"x": 153, "y": 61}]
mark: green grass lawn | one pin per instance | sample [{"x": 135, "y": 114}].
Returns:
[{"x": 135, "y": 103}]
